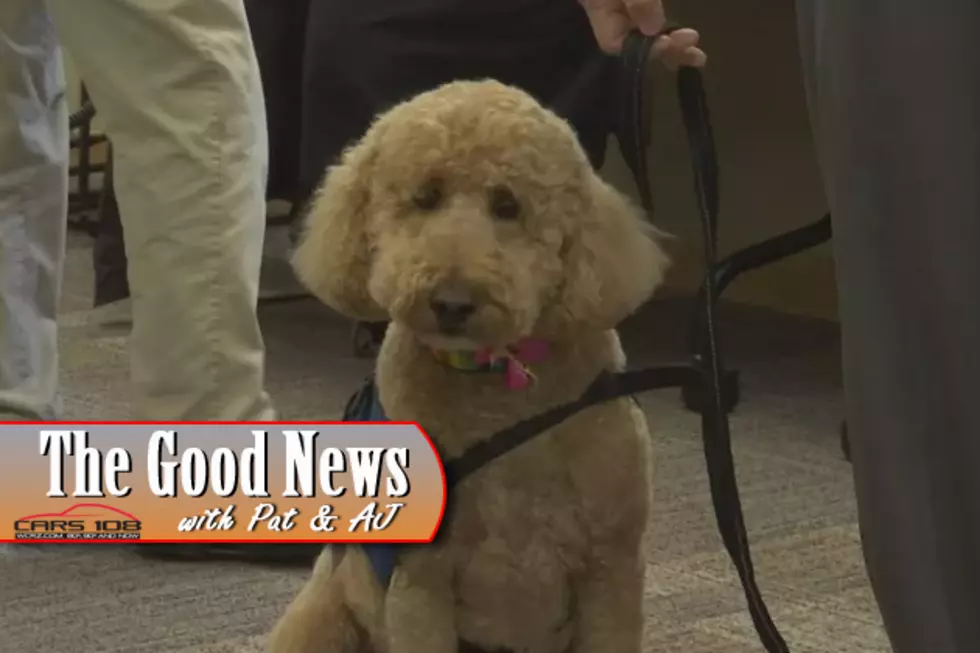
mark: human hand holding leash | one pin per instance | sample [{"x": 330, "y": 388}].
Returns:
[{"x": 612, "y": 20}]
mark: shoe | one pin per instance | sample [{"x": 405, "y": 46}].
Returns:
[
  {"x": 288, "y": 555},
  {"x": 114, "y": 314}
]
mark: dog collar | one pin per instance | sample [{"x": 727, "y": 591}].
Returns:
[{"x": 513, "y": 361}]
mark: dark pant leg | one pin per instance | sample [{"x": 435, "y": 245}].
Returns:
[
  {"x": 109, "y": 248},
  {"x": 894, "y": 87},
  {"x": 278, "y": 33}
]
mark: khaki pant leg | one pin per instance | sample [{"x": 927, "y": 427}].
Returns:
[
  {"x": 33, "y": 207},
  {"x": 177, "y": 85}
]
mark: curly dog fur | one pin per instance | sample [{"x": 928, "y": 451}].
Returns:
[{"x": 475, "y": 194}]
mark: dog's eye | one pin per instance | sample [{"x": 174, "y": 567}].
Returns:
[
  {"x": 503, "y": 204},
  {"x": 429, "y": 196}
]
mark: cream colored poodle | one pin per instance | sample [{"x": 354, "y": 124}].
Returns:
[{"x": 470, "y": 217}]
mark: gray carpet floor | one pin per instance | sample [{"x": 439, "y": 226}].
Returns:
[{"x": 796, "y": 489}]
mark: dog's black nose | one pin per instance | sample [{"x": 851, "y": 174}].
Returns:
[{"x": 452, "y": 315}]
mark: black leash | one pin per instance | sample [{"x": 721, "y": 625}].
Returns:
[{"x": 714, "y": 418}]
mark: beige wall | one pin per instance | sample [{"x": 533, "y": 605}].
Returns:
[{"x": 769, "y": 177}]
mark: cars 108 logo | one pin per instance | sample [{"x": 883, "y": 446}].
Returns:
[{"x": 83, "y": 521}]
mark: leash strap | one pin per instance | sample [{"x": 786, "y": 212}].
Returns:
[
  {"x": 714, "y": 418},
  {"x": 605, "y": 387}
]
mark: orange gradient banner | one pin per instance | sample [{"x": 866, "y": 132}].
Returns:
[{"x": 219, "y": 482}]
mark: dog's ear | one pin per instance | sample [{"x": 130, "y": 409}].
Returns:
[
  {"x": 333, "y": 258},
  {"x": 613, "y": 260}
]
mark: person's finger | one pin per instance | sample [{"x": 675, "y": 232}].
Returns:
[
  {"x": 647, "y": 15},
  {"x": 679, "y": 48},
  {"x": 696, "y": 58},
  {"x": 692, "y": 58},
  {"x": 684, "y": 38},
  {"x": 673, "y": 55},
  {"x": 677, "y": 41},
  {"x": 609, "y": 24},
  {"x": 660, "y": 46}
]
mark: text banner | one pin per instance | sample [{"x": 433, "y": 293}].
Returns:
[{"x": 219, "y": 482}]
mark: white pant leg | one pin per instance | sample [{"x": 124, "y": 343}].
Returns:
[
  {"x": 177, "y": 85},
  {"x": 33, "y": 207}
]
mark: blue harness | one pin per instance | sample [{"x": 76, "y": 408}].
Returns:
[{"x": 365, "y": 406}]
